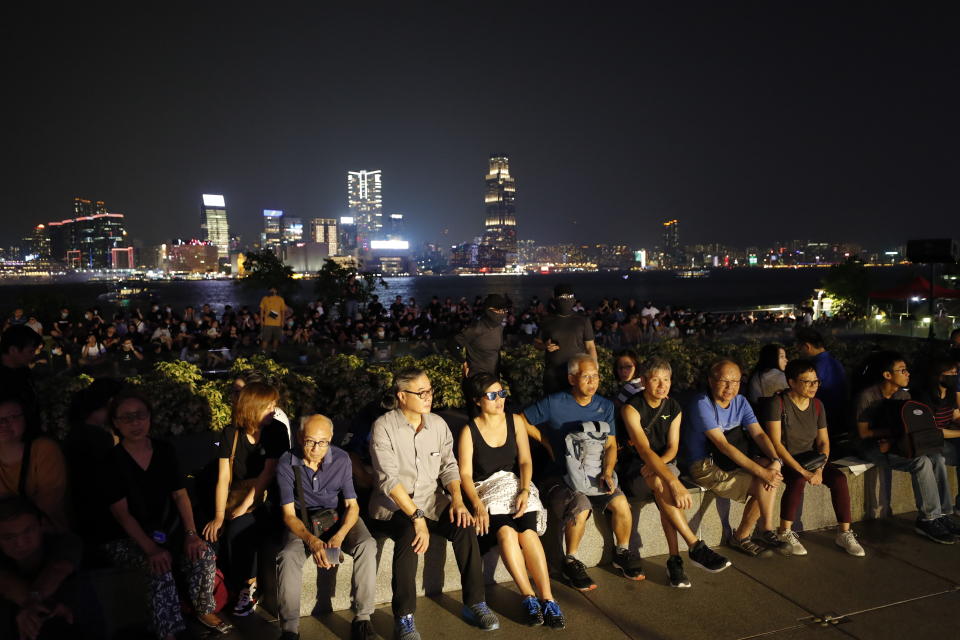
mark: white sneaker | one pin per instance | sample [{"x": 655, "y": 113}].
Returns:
[
  {"x": 847, "y": 540},
  {"x": 792, "y": 540},
  {"x": 245, "y": 603}
]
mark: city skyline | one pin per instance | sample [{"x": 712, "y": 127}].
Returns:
[{"x": 827, "y": 119}]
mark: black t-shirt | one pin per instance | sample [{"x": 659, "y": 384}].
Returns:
[
  {"x": 655, "y": 421},
  {"x": 942, "y": 407},
  {"x": 482, "y": 341},
  {"x": 798, "y": 431},
  {"x": 570, "y": 333},
  {"x": 250, "y": 458},
  {"x": 148, "y": 491}
]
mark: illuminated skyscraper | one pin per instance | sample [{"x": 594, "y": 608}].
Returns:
[
  {"x": 213, "y": 223},
  {"x": 292, "y": 230},
  {"x": 272, "y": 235},
  {"x": 324, "y": 231},
  {"x": 86, "y": 240},
  {"x": 365, "y": 198},
  {"x": 499, "y": 244},
  {"x": 347, "y": 236},
  {"x": 671, "y": 243}
]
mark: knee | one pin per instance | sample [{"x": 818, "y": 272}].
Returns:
[{"x": 619, "y": 506}]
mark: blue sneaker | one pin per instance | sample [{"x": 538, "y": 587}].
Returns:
[
  {"x": 532, "y": 607},
  {"x": 406, "y": 629},
  {"x": 552, "y": 616},
  {"x": 480, "y": 615}
]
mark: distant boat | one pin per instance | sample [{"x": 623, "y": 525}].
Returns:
[
  {"x": 128, "y": 290},
  {"x": 692, "y": 273}
]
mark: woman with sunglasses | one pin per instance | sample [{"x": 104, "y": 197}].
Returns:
[
  {"x": 145, "y": 489},
  {"x": 493, "y": 451}
]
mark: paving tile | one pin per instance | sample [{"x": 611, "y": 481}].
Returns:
[
  {"x": 931, "y": 618},
  {"x": 830, "y": 580},
  {"x": 895, "y": 537}
]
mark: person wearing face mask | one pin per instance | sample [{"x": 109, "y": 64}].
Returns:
[
  {"x": 938, "y": 393},
  {"x": 482, "y": 340},
  {"x": 562, "y": 335}
]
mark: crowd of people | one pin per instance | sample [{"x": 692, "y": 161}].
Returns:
[
  {"x": 112, "y": 492},
  {"x": 125, "y": 342}
]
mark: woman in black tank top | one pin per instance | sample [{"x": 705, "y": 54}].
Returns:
[{"x": 491, "y": 445}]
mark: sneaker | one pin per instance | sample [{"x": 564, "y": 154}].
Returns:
[
  {"x": 576, "y": 575},
  {"x": 289, "y": 635},
  {"x": 935, "y": 530},
  {"x": 362, "y": 630},
  {"x": 792, "y": 543},
  {"x": 552, "y": 616},
  {"x": 480, "y": 615},
  {"x": 706, "y": 558},
  {"x": 847, "y": 540},
  {"x": 675, "y": 572},
  {"x": 405, "y": 628},
  {"x": 771, "y": 540},
  {"x": 749, "y": 547},
  {"x": 629, "y": 564},
  {"x": 534, "y": 614},
  {"x": 245, "y": 603},
  {"x": 950, "y": 524}
]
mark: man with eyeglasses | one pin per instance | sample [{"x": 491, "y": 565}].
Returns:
[
  {"x": 931, "y": 487},
  {"x": 562, "y": 335},
  {"x": 567, "y": 412},
  {"x": 412, "y": 453},
  {"x": 719, "y": 430},
  {"x": 325, "y": 476}
]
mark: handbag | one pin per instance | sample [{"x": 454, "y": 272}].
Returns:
[
  {"x": 317, "y": 521},
  {"x": 240, "y": 490},
  {"x": 811, "y": 460}
]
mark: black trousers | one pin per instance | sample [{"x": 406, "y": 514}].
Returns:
[{"x": 465, "y": 550}]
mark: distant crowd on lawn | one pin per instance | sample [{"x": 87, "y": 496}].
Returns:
[
  {"x": 113, "y": 493},
  {"x": 126, "y": 342}
]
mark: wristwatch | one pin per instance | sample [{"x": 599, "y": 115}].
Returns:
[{"x": 417, "y": 514}]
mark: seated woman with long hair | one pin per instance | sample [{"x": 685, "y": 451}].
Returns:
[
  {"x": 143, "y": 484},
  {"x": 31, "y": 465},
  {"x": 249, "y": 451},
  {"x": 493, "y": 451},
  {"x": 767, "y": 377}
]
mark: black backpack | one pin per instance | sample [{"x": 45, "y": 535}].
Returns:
[{"x": 913, "y": 429}]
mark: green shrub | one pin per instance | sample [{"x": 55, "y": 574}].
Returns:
[
  {"x": 183, "y": 401},
  {"x": 298, "y": 393},
  {"x": 57, "y": 394}
]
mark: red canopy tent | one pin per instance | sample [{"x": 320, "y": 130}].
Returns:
[{"x": 918, "y": 287}]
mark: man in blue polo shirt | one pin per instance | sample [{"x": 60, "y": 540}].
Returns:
[
  {"x": 720, "y": 426},
  {"x": 325, "y": 474},
  {"x": 562, "y": 413}
]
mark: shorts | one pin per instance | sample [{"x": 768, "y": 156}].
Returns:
[
  {"x": 565, "y": 504},
  {"x": 271, "y": 334},
  {"x": 527, "y": 521},
  {"x": 637, "y": 487},
  {"x": 734, "y": 485}
]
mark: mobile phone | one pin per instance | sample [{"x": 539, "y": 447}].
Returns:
[{"x": 333, "y": 555}]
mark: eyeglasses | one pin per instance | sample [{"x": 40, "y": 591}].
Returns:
[
  {"x": 588, "y": 377},
  {"x": 128, "y": 418},
  {"x": 426, "y": 393},
  {"x": 809, "y": 383},
  {"x": 493, "y": 395},
  {"x": 901, "y": 371},
  {"x": 728, "y": 383},
  {"x": 309, "y": 444},
  {"x": 16, "y": 417}
]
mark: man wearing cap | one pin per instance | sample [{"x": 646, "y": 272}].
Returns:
[
  {"x": 482, "y": 339},
  {"x": 563, "y": 334}
]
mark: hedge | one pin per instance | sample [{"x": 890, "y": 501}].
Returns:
[{"x": 341, "y": 386}]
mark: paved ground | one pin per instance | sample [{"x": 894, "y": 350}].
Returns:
[{"x": 905, "y": 588}]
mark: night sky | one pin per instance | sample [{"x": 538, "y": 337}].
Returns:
[{"x": 749, "y": 122}]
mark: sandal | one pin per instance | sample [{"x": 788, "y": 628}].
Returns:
[{"x": 220, "y": 627}]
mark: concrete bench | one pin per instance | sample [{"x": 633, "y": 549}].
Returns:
[{"x": 873, "y": 492}]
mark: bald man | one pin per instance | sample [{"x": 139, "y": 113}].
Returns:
[{"x": 325, "y": 476}]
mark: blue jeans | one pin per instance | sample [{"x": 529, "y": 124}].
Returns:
[
  {"x": 951, "y": 454},
  {"x": 928, "y": 473}
]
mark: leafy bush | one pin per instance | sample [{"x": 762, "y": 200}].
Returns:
[
  {"x": 57, "y": 393},
  {"x": 298, "y": 393},
  {"x": 183, "y": 401}
]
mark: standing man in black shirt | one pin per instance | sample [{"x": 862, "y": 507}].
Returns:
[
  {"x": 563, "y": 335},
  {"x": 18, "y": 346},
  {"x": 483, "y": 338}
]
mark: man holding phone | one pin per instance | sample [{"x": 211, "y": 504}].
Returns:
[{"x": 312, "y": 478}]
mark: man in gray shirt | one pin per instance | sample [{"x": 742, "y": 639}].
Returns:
[{"x": 412, "y": 454}]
